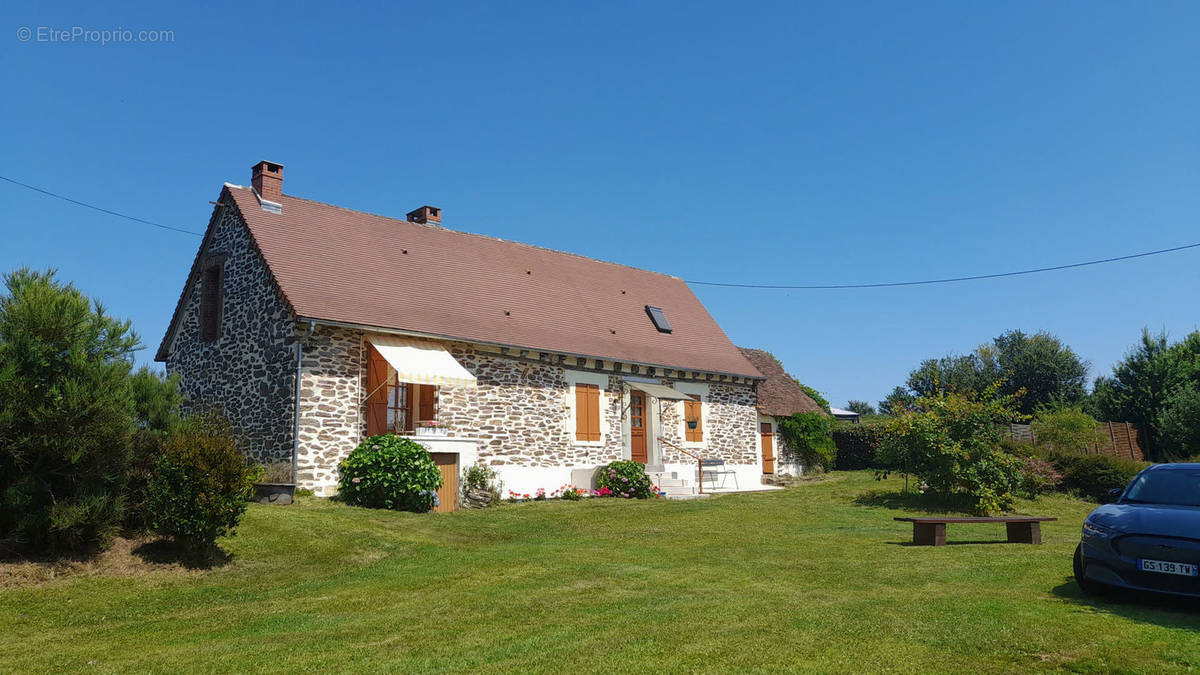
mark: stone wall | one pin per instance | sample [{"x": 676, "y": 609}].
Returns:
[
  {"x": 518, "y": 413},
  {"x": 249, "y": 370},
  {"x": 332, "y": 384}
]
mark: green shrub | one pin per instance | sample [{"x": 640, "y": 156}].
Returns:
[
  {"x": 389, "y": 472},
  {"x": 808, "y": 437},
  {"x": 953, "y": 445},
  {"x": 626, "y": 479},
  {"x": 856, "y": 445},
  {"x": 1022, "y": 449},
  {"x": 65, "y": 417},
  {"x": 1178, "y": 423},
  {"x": 482, "y": 477},
  {"x": 1093, "y": 476},
  {"x": 156, "y": 401},
  {"x": 1067, "y": 429},
  {"x": 200, "y": 485}
]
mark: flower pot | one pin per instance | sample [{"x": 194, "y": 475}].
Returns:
[
  {"x": 274, "y": 493},
  {"x": 432, "y": 431},
  {"x": 692, "y": 424}
]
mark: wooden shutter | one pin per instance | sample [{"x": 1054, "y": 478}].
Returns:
[
  {"x": 210, "y": 303},
  {"x": 691, "y": 411},
  {"x": 428, "y": 402},
  {"x": 587, "y": 412},
  {"x": 377, "y": 372}
]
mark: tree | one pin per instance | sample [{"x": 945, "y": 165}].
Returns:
[
  {"x": 1178, "y": 423},
  {"x": 1038, "y": 368},
  {"x": 1149, "y": 380},
  {"x": 960, "y": 374},
  {"x": 65, "y": 416},
  {"x": 898, "y": 402},
  {"x": 860, "y": 407},
  {"x": 1047, "y": 370}
]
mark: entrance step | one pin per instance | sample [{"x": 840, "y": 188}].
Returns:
[{"x": 675, "y": 487}]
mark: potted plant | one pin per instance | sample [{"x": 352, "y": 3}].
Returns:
[
  {"x": 276, "y": 484},
  {"x": 432, "y": 428},
  {"x": 692, "y": 423}
]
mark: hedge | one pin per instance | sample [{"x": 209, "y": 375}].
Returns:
[{"x": 856, "y": 445}]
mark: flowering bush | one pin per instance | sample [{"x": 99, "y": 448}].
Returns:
[
  {"x": 625, "y": 479},
  {"x": 389, "y": 472},
  {"x": 1038, "y": 476}
]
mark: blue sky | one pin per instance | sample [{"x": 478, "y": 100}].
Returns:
[{"x": 750, "y": 143}]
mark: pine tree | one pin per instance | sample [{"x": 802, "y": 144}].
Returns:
[{"x": 66, "y": 416}]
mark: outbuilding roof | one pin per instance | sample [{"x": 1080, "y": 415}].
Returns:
[{"x": 779, "y": 395}]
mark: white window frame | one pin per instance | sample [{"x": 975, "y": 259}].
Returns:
[
  {"x": 573, "y": 378},
  {"x": 696, "y": 389}
]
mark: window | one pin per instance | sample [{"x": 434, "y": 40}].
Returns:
[
  {"x": 395, "y": 407},
  {"x": 587, "y": 412},
  {"x": 659, "y": 318},
  {"x": 693, "y": 422},
  {"x": 210, "y": 302}
]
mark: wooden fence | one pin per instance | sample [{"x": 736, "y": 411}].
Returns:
[{"x": 1124, "y": 439}]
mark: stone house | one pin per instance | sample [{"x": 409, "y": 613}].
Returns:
[
  {"x": 313, "y": 327},
  {"x": 779, "y": 395}
]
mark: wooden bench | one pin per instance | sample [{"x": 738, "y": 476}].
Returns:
[{"x": 1021, "y": 529}]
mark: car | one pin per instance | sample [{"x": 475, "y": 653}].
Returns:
[{"x": 1147, "y": 538}]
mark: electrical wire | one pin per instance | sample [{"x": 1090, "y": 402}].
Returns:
[
  {"x": 721, "y": 284},
  {"x": 102, "y": 210},
  {"x": 950, "y": 280}
]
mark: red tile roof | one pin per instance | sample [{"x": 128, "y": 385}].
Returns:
[
  {"x": 779, "y": 395},
  {"x": 335, "y": 264}
]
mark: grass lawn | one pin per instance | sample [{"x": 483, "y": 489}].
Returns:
[{"x": 817, "y": 577}]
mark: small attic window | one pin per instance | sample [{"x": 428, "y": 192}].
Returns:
[{"x": 659, "y": 318}]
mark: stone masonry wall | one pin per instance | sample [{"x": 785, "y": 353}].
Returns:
[
  {"x": 730, "y": 427},
  {"x": 249, "y": 370},
  {"x": 332, "y": 382},
  {"x": 519, "y": 411}
]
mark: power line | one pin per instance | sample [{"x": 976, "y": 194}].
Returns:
[
  {"x": 820, "y": 287},
  {"x": 803, "y": 287},
  {"x": 97, "y": 208}
]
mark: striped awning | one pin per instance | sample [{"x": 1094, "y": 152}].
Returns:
[
  {"x": 660, "y": 391},
  {"x": 421, "y": 361}
]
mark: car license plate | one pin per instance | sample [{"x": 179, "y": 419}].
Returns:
[{"x": 1165, "y": 567}]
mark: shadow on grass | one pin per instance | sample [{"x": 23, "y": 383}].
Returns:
[
  {"x": 973, "y": 542},
  {"x": 915, "y": 501},
  {"x": 1161, "y": 610},
  {"x": 166, "y": 552}
]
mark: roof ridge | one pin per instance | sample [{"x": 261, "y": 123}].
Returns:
[{"x": 472, "y": 234}]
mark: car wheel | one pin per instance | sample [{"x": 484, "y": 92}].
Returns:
[{"x": 1088, "y": 586}]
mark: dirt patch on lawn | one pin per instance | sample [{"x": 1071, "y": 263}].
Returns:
[{"x": 126, "y": 558}]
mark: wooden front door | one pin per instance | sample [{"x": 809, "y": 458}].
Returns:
[
  {"x": 447, "y": 463},
  {"x": 637, "y": 426},
  {"x": 768, "y": 446}
]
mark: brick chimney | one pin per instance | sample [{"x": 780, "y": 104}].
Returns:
[
  {"x": 267, "y": 180},
  {"x": 426, "y": 214}
]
